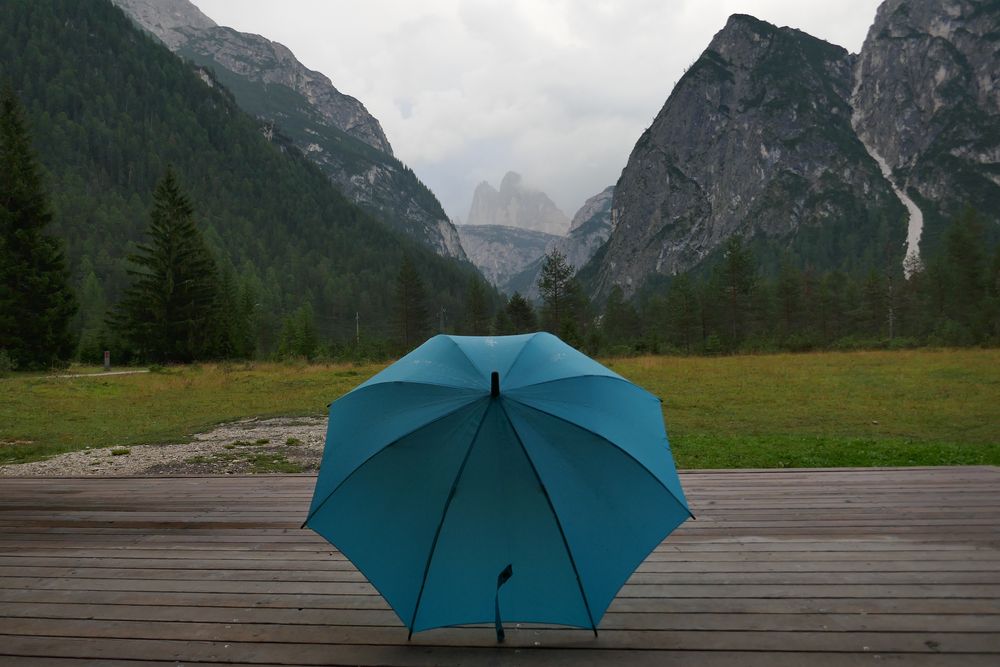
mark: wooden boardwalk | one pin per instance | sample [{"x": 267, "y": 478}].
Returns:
[{"x": 782, "y": 568}]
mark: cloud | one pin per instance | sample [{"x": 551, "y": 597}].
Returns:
[{"x": 558, "y": 90}]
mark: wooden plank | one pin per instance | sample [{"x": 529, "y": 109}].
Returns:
[{"x": 782, "y": 568}]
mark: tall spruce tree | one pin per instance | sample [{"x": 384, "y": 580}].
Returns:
[
  {"x": 411, "y": 306},
  {"x": 521, "y": 314},
  {"x": 166, "y": 313},
  {"x": 477, "y": 310},
  {"x": 554, "y": 285},
  {"x": 36, "y": 304}
]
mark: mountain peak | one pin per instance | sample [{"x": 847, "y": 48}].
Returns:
[
  {"x": 511, "y": 181},
  {"x": 166, "y": 19},
  {"x": 515, "y": 205}
]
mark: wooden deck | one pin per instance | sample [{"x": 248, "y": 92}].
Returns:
[{"x": 782, "y": 568}]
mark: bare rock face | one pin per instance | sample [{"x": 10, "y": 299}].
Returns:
[
  {"x": 501, "y": 252},
  {"x": 516, "y": 205},
  {"x": 928, "y": 101},
  {"x": 332, "y": 129},
  {"x": 258, "y": 59},
  {"x": 755, "y": 139},
  {"x": 168, "y": 20}
]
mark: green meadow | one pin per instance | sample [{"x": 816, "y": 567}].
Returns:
[{"x": 885, "y": 408}]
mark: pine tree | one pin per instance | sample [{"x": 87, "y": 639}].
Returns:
[
  {"x": 620, "y": 323},
  {"x": 553, "y": 283},
  {"x": 166, "y": 312},
  {"x": 411, "y": 306},
  {"x": 521, "y": 314},
  {"x": 737, "y": 279},
  {"x": 683, "y": 313},
  {"x": 477, "y": 315},
  {"x": 36, "y": 304}
]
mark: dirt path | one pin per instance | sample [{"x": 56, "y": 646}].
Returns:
[{"x": 286, "y": 444}]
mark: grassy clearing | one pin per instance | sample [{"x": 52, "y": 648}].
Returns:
[
  {"x": 824, "y": 409},
  {"x": 41, "y": 416},
  {"x": 920, "y": 407}
]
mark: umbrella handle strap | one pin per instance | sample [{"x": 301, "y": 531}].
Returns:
[{"x": 502, "y": 578}]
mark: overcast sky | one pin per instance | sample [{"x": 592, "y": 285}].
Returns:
[{"x": 557, "y": 90}]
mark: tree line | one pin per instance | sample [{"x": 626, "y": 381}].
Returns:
[{"x": 182, "y": 304}]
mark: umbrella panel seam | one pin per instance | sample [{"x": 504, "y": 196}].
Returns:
[
  {"x": 555, "y": 516},
  {"x": 382, "y": 449},
  {"x": 683, "y": 504},
  {"x": 444, "y": 515}
]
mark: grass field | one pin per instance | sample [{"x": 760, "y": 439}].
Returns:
[{"x": 803, "y": 410}]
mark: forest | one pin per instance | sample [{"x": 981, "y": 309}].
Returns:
[{"x": 119, "y": 158}]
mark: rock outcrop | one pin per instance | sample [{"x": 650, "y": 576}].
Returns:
[
  {"x": 755, "y": 139},
  {"x": 802, "y": 148},
  {"x": 516, "y": 205},
  {"x": 501, "y": 252},
  {"x": 927, "y": 100}
]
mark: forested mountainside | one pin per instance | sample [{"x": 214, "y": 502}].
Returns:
[
  {"x": 109, "y": 108},
  {"x": 332, "y": 129}
]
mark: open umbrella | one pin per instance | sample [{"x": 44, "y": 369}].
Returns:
[{"x": 484, "y": 479}]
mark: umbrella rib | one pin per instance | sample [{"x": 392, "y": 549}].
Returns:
[
  {"x": 610, "y": 442},
  {"x": 520, "y": 353},
  {"x": 444, "y": 514},
  {"x": 374, "y": 454},
  {"x": 555, "y": 516}
]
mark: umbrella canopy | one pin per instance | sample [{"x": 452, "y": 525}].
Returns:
[{"x": 483, "y": 479}]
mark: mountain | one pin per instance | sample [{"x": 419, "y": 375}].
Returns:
[
  {"x": 516, "y": 205},
  {"x": 589, "y": 229},
  {"x": 109, "y": 108},
  {"x": 500, "y": 252},
  {"x": 927, "y": 101},
  {"x": 755, "y": 139},
  {"x": 332, "y": 129}
]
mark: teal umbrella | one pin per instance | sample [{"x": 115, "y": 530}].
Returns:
[{"x": 491, "y": 479}]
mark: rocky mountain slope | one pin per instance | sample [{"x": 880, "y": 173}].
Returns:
[
  {"x": 501, "y": 252},
  {"x": 809, "y": 152},
  {"x": 927, "y": 100},
  {"x": 516, "y": 205},
  {"x": 755, "y": 139},
  {"x": 590, "y": 228},
  {"x": 333, "y": 129}
]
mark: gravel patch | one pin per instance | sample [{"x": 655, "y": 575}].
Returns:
[{"x": 251, "y": 446}]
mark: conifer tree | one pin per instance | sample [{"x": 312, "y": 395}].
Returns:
[
  {"x": 737, "y": 277},
  {"x": 683, "y": 312},
  {"x": 167, "y": 311},
  {"x": 411, "y": 306},
  {"x": 554, "y": 285},
  {"x": 477, "y": 315},
  {"x": 36, "y": 304},
  {"x": 521, "y": 314}
]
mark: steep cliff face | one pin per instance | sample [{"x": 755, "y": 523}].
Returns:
[
  {"x": 501, "y": 252},
  {"x": 755, "y": 139},
  {"x": 331, "y": 128},
  {"x": 516, "y": 205},
  {"x": 927, "y": 99}
]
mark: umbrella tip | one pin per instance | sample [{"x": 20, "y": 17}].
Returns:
[{"x": 494, "y": 384}]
